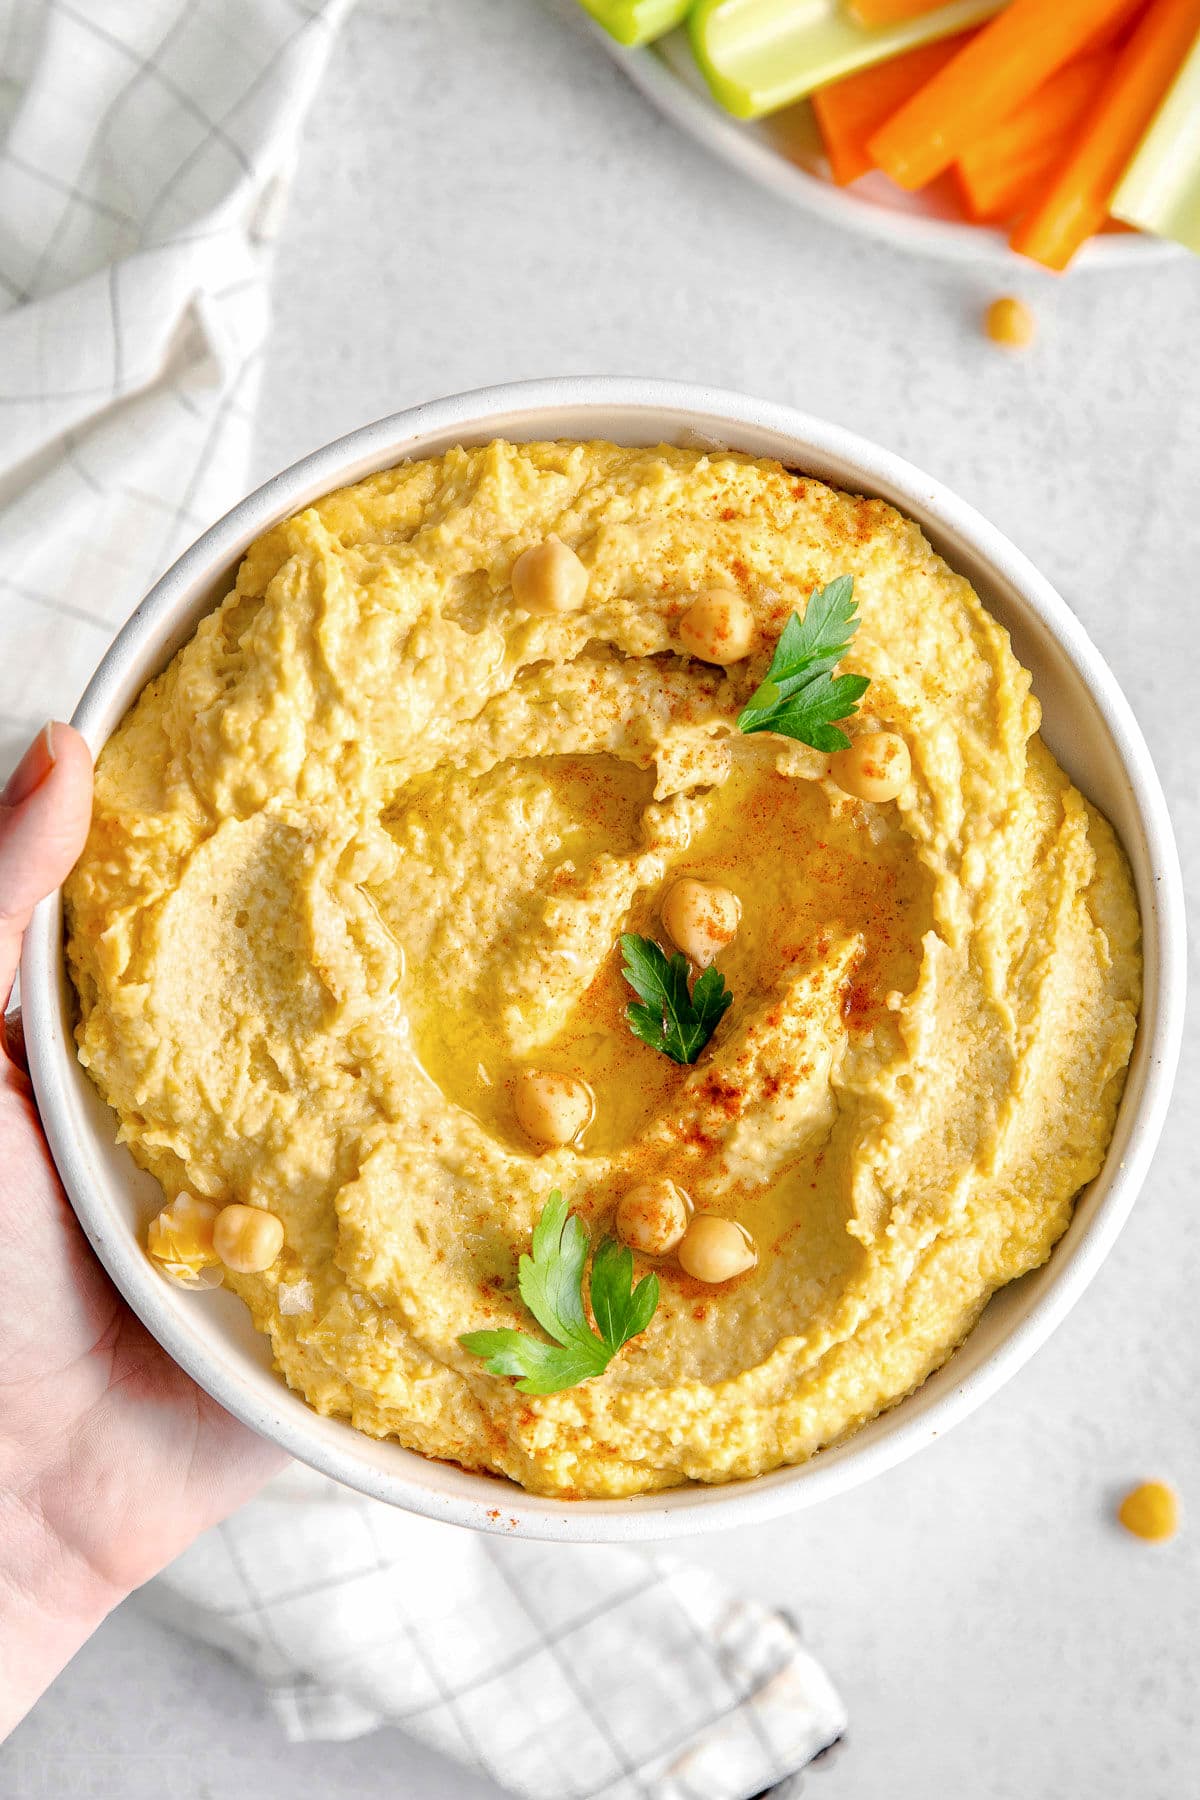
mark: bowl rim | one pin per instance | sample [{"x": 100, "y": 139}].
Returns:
[{"x": 488, "y": 1503}]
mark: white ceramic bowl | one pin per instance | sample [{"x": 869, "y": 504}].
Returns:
[{"x": 1087, "y": 723}]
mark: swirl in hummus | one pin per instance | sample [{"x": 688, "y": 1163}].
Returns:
[{"x": 360, "y": 861}]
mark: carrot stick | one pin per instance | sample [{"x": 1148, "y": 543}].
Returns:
[
  {"x": 1006, "y": 62},
  {"x": 1116, "y": 30},
  {"x": 1002, "y": 169},
  {"x": 1076, "y": 202},
  {"x": 848, "y": 111},
  {"x": 891, "y": 12},
  {"x": 1022, "y": 186},
  {"x": 1011, "y": 191}
]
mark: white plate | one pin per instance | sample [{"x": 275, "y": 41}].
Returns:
[{"x": 783, "y": 153}]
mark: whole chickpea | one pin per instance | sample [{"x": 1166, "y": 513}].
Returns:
[
  {"x": 653, "y": 1216},
  {"x": 718, "y": 627},
  {"x": 1008, "y": 321},
  {"x": 1151, "y": 1511},
  {"x": 701, "y": 919},
  {"x": 549, "y": 578},
  {"x": 715, "y": 1250},
  {"x": 247, "y": 1239},
  {"x": 876, "y": 767},
  {"x": 551, "y": 1109}
]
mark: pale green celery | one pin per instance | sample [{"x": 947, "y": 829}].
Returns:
[
  {"x": 634, "y": 22},
  {"x": 1160, "y": 190},
  {"x": 759, "y": 55}
]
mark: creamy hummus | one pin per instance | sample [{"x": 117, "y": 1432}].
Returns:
[{"x": 363, "y": 853}]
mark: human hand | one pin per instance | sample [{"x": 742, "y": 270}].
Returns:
[{"x": 111, "y": 1458}]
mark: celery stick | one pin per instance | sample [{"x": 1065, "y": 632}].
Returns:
[
  {"x": 759, "y": 55},
  {"x": 1160, "y": 190},
  {"x": 634, "y": 22}
]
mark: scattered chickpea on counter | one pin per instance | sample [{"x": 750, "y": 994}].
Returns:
[
  {"x": 549, "y": 578},
  {"x": 701, "y": 918},
  {"x": 1008, "y": 321},
  {"x": 1150, "y": 1511},
  {"x": 551, "y": 1109}
]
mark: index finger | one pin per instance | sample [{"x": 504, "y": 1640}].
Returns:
[{"x": 45, "y": 811}]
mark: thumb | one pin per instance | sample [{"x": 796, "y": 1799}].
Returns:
[{"x": 44, "y": 816}]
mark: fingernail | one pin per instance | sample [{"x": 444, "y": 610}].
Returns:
[{"x": 32, "y": 769}]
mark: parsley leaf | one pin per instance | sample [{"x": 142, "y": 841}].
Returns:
[
  {"x": 551, "y": 1284},
  {"x": 801, "y": 697},
  {"x": 670, "y": 1018}
]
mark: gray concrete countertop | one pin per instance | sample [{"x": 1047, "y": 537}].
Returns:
[{"x": 481, "y": 196}]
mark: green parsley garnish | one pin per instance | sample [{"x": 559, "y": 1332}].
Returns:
[
  {"x": 670, "y": 1018},
  {"x": 551, "y": 1284},
  {"x": 801, "y": 697}
]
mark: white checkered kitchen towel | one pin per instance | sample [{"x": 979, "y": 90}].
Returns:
[
  {"x": 562, "y": 1672},
  {"x": 146, "y": 147}
]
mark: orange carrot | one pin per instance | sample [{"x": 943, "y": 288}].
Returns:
[
  {"x": 1023, "y": 186},
  {"x": 1075, "y": 203},
  {"x": 1011, "y": 191},
  {"x": 848, "y": 111},
  {"x": 891, "y": 12},
  {"x": 1006, "y": 62},
  {"x": 1115, "y": 30},
  {"x": 1002, "y": 171}
]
